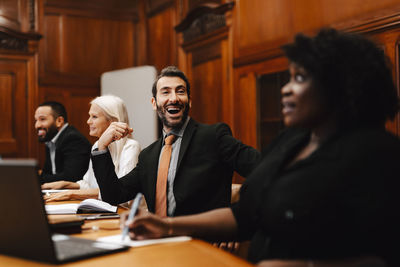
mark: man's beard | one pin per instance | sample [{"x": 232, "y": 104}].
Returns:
[
  {"x": 50, "y": 133},
  {"x": 175, "y": 126}
]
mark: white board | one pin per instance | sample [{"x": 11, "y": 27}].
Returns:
[{"x": 134, "y": 85}]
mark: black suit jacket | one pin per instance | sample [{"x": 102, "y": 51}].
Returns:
[
  {"x": 341, "y": 201},
  {"x": 72, "y": 157},
  {"x": 207, "y": 158}
]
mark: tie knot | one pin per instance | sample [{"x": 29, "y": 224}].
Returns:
[{"x": 170, "y": 139}]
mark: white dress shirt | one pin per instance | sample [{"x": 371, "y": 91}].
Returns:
[{"x": 128, "y": 161}]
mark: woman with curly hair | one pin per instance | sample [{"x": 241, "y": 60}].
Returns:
[{"x": 326, "y": 190}]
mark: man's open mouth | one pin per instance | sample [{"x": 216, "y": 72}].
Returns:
[{"x": 173, "y": 109}]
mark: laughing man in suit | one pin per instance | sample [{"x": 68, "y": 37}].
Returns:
[
  {"x": 67, "y": 150},
  {"x": 202, "y": 161}
]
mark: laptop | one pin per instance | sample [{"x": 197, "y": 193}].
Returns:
[{"x": 24, "y": 227}]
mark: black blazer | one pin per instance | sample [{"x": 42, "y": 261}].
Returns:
[
  {"x": 72, "y": 157},
  {"x": 207, "y": 158},
  {"x": 341, "y": 201}
]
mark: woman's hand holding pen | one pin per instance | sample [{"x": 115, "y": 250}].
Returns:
[
  {"x": 147, "y": 225},
  {"x": 115, "y": 131}
]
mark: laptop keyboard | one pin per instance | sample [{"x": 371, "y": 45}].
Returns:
[{"x": 70, "y": 247}]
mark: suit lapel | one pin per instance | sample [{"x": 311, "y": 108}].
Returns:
[{"x": 187, "y": 136}]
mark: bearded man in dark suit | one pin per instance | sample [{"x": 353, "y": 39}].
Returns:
[
  {"x": 202, "y": 163},
  {"x": 67, "y": 150}
]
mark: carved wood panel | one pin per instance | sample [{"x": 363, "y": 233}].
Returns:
[{"x": 13, "y": 108}]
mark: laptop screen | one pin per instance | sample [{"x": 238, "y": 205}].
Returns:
[{"x": 24, "y": 230}]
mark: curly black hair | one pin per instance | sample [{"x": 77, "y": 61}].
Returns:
[{"x": 352, "y": 72}]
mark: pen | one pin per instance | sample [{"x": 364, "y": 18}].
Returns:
[{"x": 132, "y": 213}]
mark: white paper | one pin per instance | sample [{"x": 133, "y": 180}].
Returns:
[
  {"x": 117, "y": 239},
  {"x": 61, "y": 209}
]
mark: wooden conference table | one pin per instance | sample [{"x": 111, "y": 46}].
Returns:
[{"x": 188, "y": 253}]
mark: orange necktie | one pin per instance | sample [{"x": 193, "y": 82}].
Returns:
[{"x": 162, "y": 177}]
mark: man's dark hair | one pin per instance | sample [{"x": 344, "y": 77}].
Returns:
[
  {"x": 352, "y": 73},
  {"x": 171, "y": 71},
  {"x": 57, "y": 108}
]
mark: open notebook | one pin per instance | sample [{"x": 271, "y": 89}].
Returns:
[
  {"x": 24, "y": 227},
  {"x": 85, "y": 206}
]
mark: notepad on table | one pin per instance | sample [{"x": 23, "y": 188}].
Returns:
[
  {"x": 117, "y": 239},
  {"x": 86, "y": 206}
]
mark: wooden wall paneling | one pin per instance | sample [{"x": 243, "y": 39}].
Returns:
[
  {"x": 18, "y": 75},
  {"x": 210, "y": 74},
  {"x": 82, "y": 40},
  {"x": 227, "y": 102},
  {"x": 8, "y": 141},
  {"x": 14, "y": 14},
  {"x": 228, "y": 111},
  {"x": 106, "y": 9},
  {"x": 77, "y": 50},
  {"x": 207, "y": 84},
  {"x": 32, "y": 103},
  {"x": 9, "y": 14},
  {"x": 204, "y": 36},
  {"x": 246, "y": 119},
  {"x": 161, "y": 39},
  {"x": 141, "y": 35},
  {"x": 261, "y": 27},
  {"x": 17, "y": 97}
]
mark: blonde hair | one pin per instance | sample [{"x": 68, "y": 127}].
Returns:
[{"x": 114, "y": 109}]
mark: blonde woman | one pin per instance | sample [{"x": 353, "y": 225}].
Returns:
[{"x": 124, "y": 152}]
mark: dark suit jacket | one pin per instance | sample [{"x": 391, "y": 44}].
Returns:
[
  {"x": 72, "y": 157},
  {"x": 207, "y": 158},
  {"x": 341, "y": 201}
]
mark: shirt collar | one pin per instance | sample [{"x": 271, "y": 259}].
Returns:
[
  {"x": 177, "y": 133},
  {"x": 54, "y": 140}
]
